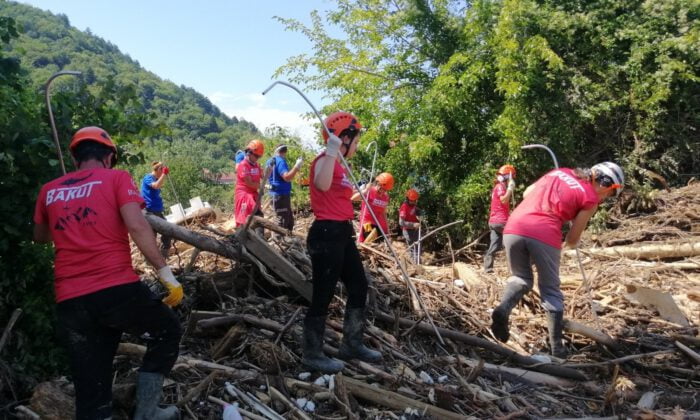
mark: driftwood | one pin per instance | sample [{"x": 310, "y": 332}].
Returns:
[
  {"x": 205, "y": 243},
  {"x": 586, "y": 331},
  {"x": 688, "y": 352},
  {"x": 11, "y": 323},
  {"x": 393, "y": 400},
  {"x": 648, "y": 251},
  {"x": 524, "y": 361}
]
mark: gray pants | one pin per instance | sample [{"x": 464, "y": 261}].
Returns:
[
  {"x": 411, "y": 236},
  {"x": 522, "y": 252},
  {"x": 495, "y": 245},
  {"x": 282, "y": 204}
]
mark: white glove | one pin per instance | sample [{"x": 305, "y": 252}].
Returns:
[
  {"x": 333, "y": 145},
  {"x": 297, "y": 165},
  {"x": 175, "y": 295},
  {"x": 511, "y": 185}
]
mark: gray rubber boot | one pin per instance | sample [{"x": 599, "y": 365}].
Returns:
[
  {"x": 148, "y": 393},
  {"x": 313, "y": 358},
  {"x": 353, "y": 329},
  {"x": 555, "y": 325},
  {"x": 514, "y": 291}
]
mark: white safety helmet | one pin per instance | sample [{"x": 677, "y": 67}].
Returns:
[{"x": 613, "y": 172}]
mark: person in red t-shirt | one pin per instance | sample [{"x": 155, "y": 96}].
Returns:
[
  {"x": 333, "y": 251},
  {"x": 409, "y": 222},
  {"x": 379, "y": 200},
  {"x": 248, "y": 178},
  {"x": 89, "y": 215},
  {"x": 533, "y": 234},
  {"x": 500, "y": 209}
]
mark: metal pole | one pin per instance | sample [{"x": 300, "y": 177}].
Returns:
[
  {"x": 542, "y": 146},
  {"x": 407, "y": 279},
  {"x": 47, "y": 86},
  {"x": 374, "y": 160}
]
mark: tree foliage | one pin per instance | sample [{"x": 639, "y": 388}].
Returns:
[{"x": 451, "y": 90}]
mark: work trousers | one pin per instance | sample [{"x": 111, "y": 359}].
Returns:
[
  {"x": 334, "y": 256},
  {"x": 164, "y": 240},
  {"x": 282, "y": 204},
  {"x": 495, "y": 245},
  {"x": 91, "y": 327},
  {"x": 522, "y": 252},
  {"x": 411, "y": 236}
]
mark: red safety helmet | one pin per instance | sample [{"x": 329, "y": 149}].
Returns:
[
  {"x": 338, "y": 122},
  {"x": 256, "y": 147},
  {"x": 385, "y": 180},
  {"x": 96, "y": 134},
  {"x": 412, "y": 194},
  {"x": 506, "y": 169}
]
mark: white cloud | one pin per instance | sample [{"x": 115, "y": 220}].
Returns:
[{"x": 256, "y": 108}]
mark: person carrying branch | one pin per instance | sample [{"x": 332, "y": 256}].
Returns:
[
  {"x": 248, "y": 178},
  {"x": 378, "y": 199},
  {"x": 409, "y": 222},
  {"x": 333, "y": 252},
  {"x": 500, "y": 209},
  {"x": 533, "y": 235},
  {"x": 150, "y": 191},
  {"x": 89, "y": 215},
  {"x": 281, "y": 185}
]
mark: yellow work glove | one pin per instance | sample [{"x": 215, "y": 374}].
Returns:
[
  {"x": 367, "y": 227},
  {"x": 175, "y": 293}
]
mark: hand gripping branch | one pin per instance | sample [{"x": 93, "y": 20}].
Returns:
[{"x": 407, "y": 279}]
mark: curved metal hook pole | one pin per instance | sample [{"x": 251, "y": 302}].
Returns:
[
  {"x": 542, "y": 146},
  {"x": 47, "y": 86},
  {"x": 407, "y": 279},
  {"x": 374, "y": 159}
]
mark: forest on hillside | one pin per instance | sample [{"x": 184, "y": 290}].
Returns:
[{"x": 449, "y": 90}]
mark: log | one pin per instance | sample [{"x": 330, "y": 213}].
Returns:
[
  {"x": 586, "y": 331},
  {"x": 10, "y": 324},
  {"x": 467, "y": 274},
  {"x": 661, "y": 301},
  {"x": 233, "y": 336},
  {"x": 136, "y": 351},
  {"x": 270, "y": 225},
  {"x": 646, "y": 251},
  {"x": 206, "y": 243},
  {"x": 393, "y": 400},
  {"x": 525, "y": 361},
  {"x": 276, "y": 262}
]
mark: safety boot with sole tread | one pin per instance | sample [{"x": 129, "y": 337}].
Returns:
[
  {"x": 353, "y": 330},
  {"x": 512, "y": 294},
  {"x": 313, "y": 357}
]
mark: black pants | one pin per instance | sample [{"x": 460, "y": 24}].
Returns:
[
  {"x": 282, "y": 204},
  {"x": 495, "y": 245},
  {"x": 164, "y": 240},
  {"x": 334, "y": 256},
  {"x": 91, "y": 326}
]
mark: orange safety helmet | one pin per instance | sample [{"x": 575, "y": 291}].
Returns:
[
  {"x": 412, "y": 194},
  {"x": 385, "y": 180},
  {"x": 507, "y": 169},
  {"x": 338, "y": 122},
  {"x": 256, "y": 147},
  {"x": 96, "y": 134}
]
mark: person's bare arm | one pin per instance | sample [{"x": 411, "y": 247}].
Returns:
[
  {"x": 578, "y": 226},
  {"x": 323, "y": 174},
  {"x": 42, "y": 233},
  {"x": 356, "y": 196},
  {"x": 142, "y": 234},
  {"x": 289, "y": 175},
  {"x": 159, "y": 183},
  {"x": 528, "y": 190}
]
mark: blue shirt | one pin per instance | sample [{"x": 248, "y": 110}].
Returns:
[
  {"x": 278, "y": 184},
  {"x": 150, "y": 195}
]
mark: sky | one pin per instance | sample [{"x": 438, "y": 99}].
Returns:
[{"x": 227, "y": 50}]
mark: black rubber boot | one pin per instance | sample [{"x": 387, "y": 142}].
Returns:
[
  {"x": 148, "y": 392},
  {"x": 314, "y": 327},
  {"x": 555, "y": 325},
  {"x": 514, "y": 291},
  {"x": 353, "y": 330}
]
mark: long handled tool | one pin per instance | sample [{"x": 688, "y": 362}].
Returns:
[
  {"x": 578, "y": 254},
  {"x": 407, "y": 279},
  {"x": 47, "y": 86},
  {"x": 432, "y": 232}
]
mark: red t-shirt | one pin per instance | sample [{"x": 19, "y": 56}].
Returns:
[
  {"x": 91, "y": 241},
  {"x": 378, "y": 201},
  {"x": 499, "y": 210},
  {"x": 244, "y": 169},
  {"x": 334, "y": 204},
  {"x": 407, "y": 212},
  {"x": 556, "y": 198}
]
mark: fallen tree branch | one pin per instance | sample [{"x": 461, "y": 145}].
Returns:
[
  {"x": 586, "y": 331},
  {"x": 206, "y": 243},
  {"x": 524, "y": 361},
  {"x": 11, "y": 323},
  {"x": 646, "y": 251}
]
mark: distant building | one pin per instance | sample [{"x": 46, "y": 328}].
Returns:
[{"x": 220, "y": 178}]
